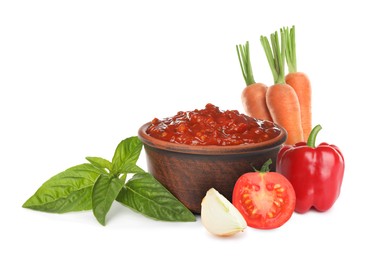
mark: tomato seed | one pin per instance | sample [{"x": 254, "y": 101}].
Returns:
[{"x": 280, "y": 190}]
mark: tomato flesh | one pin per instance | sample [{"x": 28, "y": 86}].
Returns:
[{"x": 266, "y": 200}]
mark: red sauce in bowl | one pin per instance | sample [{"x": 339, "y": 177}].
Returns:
[{"x": 211, "y": 126}]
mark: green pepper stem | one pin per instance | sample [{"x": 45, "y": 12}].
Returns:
[{"x": 312, "y": 137}]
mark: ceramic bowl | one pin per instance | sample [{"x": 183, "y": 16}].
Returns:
[{"x": 189, "y": 171}]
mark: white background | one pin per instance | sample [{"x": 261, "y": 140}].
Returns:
[{"x": 77, "y": 77}]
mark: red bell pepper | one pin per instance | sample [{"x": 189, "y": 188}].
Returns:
[{"x": 316, "y": 173}]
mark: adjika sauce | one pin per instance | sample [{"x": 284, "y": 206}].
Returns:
[{"x": 211, "y": 126}]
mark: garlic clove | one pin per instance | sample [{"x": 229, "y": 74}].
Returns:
[{"x": 219, "y": 216}]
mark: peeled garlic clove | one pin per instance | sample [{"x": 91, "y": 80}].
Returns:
[{"x": 219, "y": 216}]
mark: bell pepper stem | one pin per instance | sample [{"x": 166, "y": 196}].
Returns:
[{"x": 312, "y": 137}]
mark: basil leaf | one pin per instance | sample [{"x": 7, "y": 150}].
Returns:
[
  {"x": 126, "y": 155},
  {"x": 67, "y": 191},
  {"x": 100, "y": 162},
  {"x": 146, "y": 195},
  {"x": 105, "y": 190},
  {"x": 133, "y": 168}
]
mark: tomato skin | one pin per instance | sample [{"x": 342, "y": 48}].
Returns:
[{"x": 265, "y": 199}]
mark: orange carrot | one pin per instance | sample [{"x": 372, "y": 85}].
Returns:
[
  {"x": 281, "y": 98},
  {"x": 285, "y": 110},
  {"x": 254, "y": 94},
  {"x": 299, "y": 82}
]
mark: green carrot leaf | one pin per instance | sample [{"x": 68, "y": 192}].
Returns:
[
  {"x": 269, "y": 55},
  {"x": 144, "y": 194},
  {"x": 67, "y": 191},
  {"x": 245, "y": 63},
  {"x": 290, "y": 48},
  {"x": 275, "y": 55}
]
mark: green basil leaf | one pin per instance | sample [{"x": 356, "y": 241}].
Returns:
[
  {"x": 133, "y": 168},
  {"x": 126, "y": 154},
  {"x": 100, "y": 162},
  {"x": 67, "y": 191},
  {"x": 105, "y": 190},
  {"x": 146, "y": 195}
]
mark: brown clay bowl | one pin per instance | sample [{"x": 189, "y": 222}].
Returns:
[{"x": 189, "y": 171}]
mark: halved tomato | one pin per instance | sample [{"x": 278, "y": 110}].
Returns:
[{"x": 265, "y": 199}]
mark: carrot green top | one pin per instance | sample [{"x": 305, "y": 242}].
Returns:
[
  {"x": 275, "y": 55},
  {"x": 244, "y": 60},
  {"x": 290, "y": 49}
]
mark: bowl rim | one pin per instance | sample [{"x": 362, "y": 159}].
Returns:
[{"x": 211, "y": 149}]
